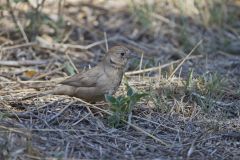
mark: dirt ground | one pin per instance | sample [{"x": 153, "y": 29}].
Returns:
[{"x": 186, "y": 59}]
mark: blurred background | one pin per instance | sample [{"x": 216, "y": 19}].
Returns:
[{"x": 166, "y": 29}]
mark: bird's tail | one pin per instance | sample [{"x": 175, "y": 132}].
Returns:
[{"x": 41, "y": 94}]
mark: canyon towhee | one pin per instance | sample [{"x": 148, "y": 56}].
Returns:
[{"x": 93, "y": 84}]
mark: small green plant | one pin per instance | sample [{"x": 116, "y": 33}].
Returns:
[
  {"x": 190, "y": 82},
  {"x": 122, "y": 105},
  {"x": 37, "y": 19},
  {"x": 218, "y": 12},
  {"x": 206, "y": 89},
  {"x": 215, "y": 12},
  {"x": 212, "y": 84},
  {"x": 161, "y": 103},
  {"x": 69, "y": 69}
]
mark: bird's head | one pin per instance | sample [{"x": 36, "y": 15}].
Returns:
[{"x": 117, "y": 56}]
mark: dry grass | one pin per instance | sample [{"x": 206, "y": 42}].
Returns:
[{"x": 193, "y": 107}]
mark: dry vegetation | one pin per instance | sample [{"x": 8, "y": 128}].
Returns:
[{"x": 186, "y": 62}]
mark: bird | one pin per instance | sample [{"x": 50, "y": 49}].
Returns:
[{"x": 93, "y": 84}]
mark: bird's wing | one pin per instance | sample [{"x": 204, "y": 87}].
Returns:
[{"x": 85, "y": 79}]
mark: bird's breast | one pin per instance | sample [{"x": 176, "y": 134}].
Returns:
[{"x": 110, "y": 81}]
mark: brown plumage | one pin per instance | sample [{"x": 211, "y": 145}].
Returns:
[{"x": 103, "y": 79}]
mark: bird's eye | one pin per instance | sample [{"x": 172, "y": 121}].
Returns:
[{"x": 122, "y": 54}]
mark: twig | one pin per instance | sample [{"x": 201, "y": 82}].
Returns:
[
  {"x": 19, "y": 46},
  {"x": 106, "y": 41},
  {"x": 160, "y": 66},
  {"x": 16, "y": 130},
  {"x": 66, "y": 151},
  {"x": 44, "y": 93},
  {"x": 22, "y": 31},
  {"x": 11, "y": 12},
  {"x": 159, "y": 72},
  {"x": 49, "y": 73},
  {"x": 63, "y": 47},
  {"x": 23, "y": 63},
  {"x": 62, "y": 110},
  {"x": 10, "y": 110},
  {"x": 75, "y": 123},
  {"x": 130, "y": 124},
  {"x": 93, "y": 6},
  {"x": 60, "y": 8},
  {"x": 145, "y": 132},
  {"x": 164, "y": 19},
  {"x": 71, "y": 62},
  {"x": 129, "y": 120},
  {"x": 194, "y": 48},
  {"x": 170, "y": 128},
  {"x": 141, "y": 62},
  {"x": 55, "y": 80},
  {"x": 213, "y": 101},
  {"x": 17, "y": 91},
  {"x": 17, "y": 22},
  {"x": 192, "y": 147}
]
